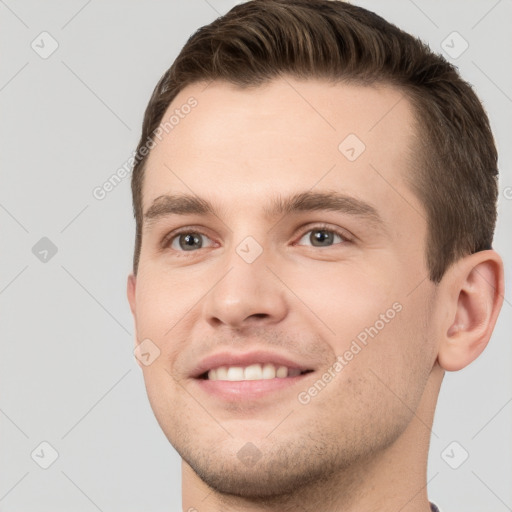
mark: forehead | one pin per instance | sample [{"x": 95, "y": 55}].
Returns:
[{"x": 240, "y": 145}]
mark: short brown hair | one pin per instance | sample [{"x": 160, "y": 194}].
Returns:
[{"x": 455, "y": 176}]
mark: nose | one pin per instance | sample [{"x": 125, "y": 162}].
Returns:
[{"x": 246, "y": 293}]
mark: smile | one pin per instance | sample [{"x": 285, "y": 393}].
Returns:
[{"x": 252, "y": 372}]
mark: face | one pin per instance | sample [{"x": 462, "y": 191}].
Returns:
[{"x": 334, "y": 282}]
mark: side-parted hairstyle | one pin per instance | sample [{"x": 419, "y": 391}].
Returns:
[{"x": 455, "y": 175}]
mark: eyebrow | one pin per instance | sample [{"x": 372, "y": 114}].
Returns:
[{"x": 185, "y": 204}]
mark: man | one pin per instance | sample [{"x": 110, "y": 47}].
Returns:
[{"x": 315, "y": 200}]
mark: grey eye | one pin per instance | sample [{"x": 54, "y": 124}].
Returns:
[
  {"x": 319, "y": 237},
  {"x": 187, "y": 241}
]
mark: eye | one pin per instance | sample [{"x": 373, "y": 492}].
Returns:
[
  {"x": 185, "y": 240},
  {"x": 188, "y": 240},
  {"x": 323, "y": 236}
]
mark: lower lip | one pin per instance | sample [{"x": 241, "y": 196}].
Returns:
[{"x": 247, "y": 389}]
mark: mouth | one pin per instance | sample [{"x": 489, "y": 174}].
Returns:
[{"x": 233, "y": 376}]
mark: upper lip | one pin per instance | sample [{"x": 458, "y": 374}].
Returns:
[{"x": 245, "y": 359}]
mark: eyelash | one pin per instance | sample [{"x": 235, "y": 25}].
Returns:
[{"x": 168, "y": 240}]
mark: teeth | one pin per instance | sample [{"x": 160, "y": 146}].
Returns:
[
  {"x": 282, "y": 372},
  {"x": 220, "y": 374},
  {"x": 252, "y": 372},
  {"x": 268, "y": 371},
  {"x": 235, "y": 373}
]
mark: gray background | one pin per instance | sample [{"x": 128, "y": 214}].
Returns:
[{"x": 67, "y": 372}]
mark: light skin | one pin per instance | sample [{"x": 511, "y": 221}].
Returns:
[{"x": 361, "y": 443}]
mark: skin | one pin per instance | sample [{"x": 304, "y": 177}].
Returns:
[{"x": 362, "y": 442}]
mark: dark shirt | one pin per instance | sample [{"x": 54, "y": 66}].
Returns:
[{"x": 433, "y": 507}]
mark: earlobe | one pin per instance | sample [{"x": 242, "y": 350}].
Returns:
[{"x": 477, "y": 287}]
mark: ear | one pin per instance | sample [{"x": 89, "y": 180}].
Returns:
[
  {"x": 474, "y": 291},
  {"x": 130, "y": 291}
]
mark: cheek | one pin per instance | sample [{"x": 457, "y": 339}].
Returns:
[
  {"x": 165, "y": 398},
  {"x": 162, "y": 300},
  {"x": 397, "y": 360},
  {"x": 382, "y": 380},
  {"x": 381, "y": 331},
  {"x": 163, "y": 311},
  {"x": 343, "y": 299}
]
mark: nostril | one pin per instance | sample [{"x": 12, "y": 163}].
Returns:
[{"x": 259, "y": 315}]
